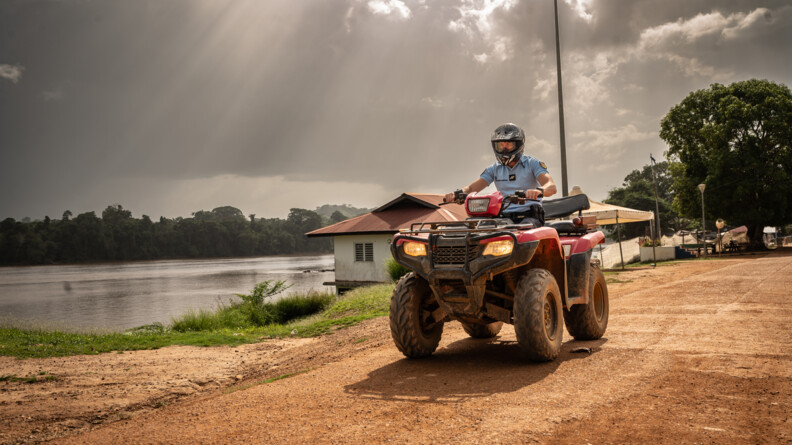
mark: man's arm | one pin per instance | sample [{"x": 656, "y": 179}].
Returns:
[
  {"x": 548, "y": 186},
  {"x": 475, "y": 186},
  {"x": 547, "y": 183}
]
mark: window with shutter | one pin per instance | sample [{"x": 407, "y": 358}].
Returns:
[
  {"x": 369, "y": 251},
  {"x": 364, "y": 252}
]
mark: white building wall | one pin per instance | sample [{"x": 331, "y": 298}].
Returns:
[{"x": 347, "y": 269}]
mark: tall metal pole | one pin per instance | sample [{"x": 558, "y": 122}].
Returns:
[
  {"x": 657, "y": 205},
  {"x": 564, "y": 186},
  {"x": 618, "y": 235},
  {"x": 703, "y": 225},
  {"x": 654, "y": 253}
]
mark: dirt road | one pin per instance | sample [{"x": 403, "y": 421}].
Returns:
[{"x": 697, "y": 352}]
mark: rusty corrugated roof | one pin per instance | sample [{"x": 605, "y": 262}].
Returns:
[{"x": 398, "y": 214}]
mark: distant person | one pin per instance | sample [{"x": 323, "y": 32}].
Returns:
[{"x": 515, "y": 171}]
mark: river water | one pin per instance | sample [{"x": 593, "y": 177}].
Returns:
[{"x": 125, "y": 295}]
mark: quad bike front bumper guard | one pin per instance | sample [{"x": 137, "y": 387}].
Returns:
[
  {"x": 456, "y": 258},
  {"x": 451, "y": 256}
]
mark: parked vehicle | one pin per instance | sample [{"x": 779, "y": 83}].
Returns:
[{"x": 488, "y": 270}]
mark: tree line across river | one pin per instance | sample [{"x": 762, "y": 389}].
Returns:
[{"x": 117, "y": 236}]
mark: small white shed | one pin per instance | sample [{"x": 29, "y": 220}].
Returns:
[{"x": 361, "y": 245}]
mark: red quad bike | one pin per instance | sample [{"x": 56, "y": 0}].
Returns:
[{"x": 487, "y": 271}]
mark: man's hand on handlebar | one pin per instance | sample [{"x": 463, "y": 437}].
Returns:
[
  {"x": 458, "y": 196},
  {"x": 534, "y": 194}
]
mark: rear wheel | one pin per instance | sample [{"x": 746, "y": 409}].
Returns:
[
  {"x": 414, "y": 330},
  {"x": 589, "y": 321},
  {"x": 476, "y": 330},
  {"x": 537, "y": 315}
]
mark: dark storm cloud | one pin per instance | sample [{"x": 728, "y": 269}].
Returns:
[
  {"x": 392, "y": 95},
  {"x": 163, "y": 89}
]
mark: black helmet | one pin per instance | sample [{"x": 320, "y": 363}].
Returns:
[{"x": 508, "y": 133}]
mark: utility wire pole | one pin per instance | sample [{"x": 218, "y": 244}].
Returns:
[
  {"x": 656, "y": 224},
  {"x": 564, "y": 186},
  {"x": 657, "y": 205}
]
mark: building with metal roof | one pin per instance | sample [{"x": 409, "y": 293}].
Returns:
[{"x": 361, "y": 245}]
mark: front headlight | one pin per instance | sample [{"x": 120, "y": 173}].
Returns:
[
  {"x": 414, "y": 249},
  {"x": 499, "y": 248},
  {"x": 478, "y": 205}
]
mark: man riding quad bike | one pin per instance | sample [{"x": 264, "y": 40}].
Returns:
[{"x": 489, "y": 270}]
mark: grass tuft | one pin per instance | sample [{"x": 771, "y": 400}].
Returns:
[
  {"x": 254, "y": 310},
  {"x": 395, "y": 270}
]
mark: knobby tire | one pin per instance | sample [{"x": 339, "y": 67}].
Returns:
[{"x": 410, "y": 335}]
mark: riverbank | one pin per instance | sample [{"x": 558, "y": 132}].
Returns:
[
  {"x": 125, "y": 295},
  {"x": 37, "y": 342}
]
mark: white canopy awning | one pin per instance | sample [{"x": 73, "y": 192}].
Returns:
[{"x": 612, "y": 214}]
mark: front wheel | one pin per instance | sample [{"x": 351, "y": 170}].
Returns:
[
  {"x": 589, "y": 321},
  {"x": 414, "y": 330},
  {"x": 537, "y": 315}
]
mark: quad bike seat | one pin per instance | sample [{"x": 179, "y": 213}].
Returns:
[
  {"x": 562, "y": 207},
  {"x": 566, "y": 227}
]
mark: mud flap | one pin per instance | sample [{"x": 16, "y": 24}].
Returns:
[{"x": 578, "y": 271}]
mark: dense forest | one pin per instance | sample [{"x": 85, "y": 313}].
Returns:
[{"x": 117, "y": 236}]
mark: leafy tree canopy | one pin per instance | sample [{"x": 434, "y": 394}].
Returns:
[
  {"x": 337, "y": 217},
  {"x": 737, "y": 140},
  {"x": 637, "y": 192},
  {"x": 348, "y": 211}
]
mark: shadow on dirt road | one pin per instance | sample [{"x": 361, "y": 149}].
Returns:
[{"x": 464, "y": 369}]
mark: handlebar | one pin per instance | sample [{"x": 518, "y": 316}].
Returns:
[
  {"x": 517, "y": 198},
  {"x": 459, "y": 198},
  {"x": 520, "y": 195}
]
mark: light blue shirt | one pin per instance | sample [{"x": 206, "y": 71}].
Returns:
[{"x": 523, "y": 176}]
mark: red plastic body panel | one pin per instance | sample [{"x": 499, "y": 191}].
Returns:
[
  {"x": 538, "y": 234},
  {"x": 583, "y": 243},
  {"x": 495, "y": 202}
]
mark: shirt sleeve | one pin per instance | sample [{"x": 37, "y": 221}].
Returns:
[
  {"x": 488, "y": 174},
  {"x": 538, "y": 167}
]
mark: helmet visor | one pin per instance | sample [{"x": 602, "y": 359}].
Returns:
[{"x": 505, "y": 147}]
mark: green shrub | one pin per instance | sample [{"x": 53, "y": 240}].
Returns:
[
  {"x": 370, "y": 301},
  {"x": 263, "y": 291},
  {"x": 395, "y": 270},
  {"x": 647, "y": 242},
  {"x": 254, "y": 310},
  {"x": 196, "y": 320},
  {"x": 298, "y": 306},
  {"x": 259, "y": 311}
]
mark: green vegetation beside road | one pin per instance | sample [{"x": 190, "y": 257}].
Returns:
[
  {"x": 395, "y": 270},
  {"x": 208, "y": 328}
]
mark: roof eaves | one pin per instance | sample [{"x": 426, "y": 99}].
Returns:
[
  {"x": 374, "y": 232},
  {"x": 405, "y": 197},
  {"x": 346, "y": 221}
]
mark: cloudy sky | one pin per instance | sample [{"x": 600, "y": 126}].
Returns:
[{"x": 168, "y": 107}]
